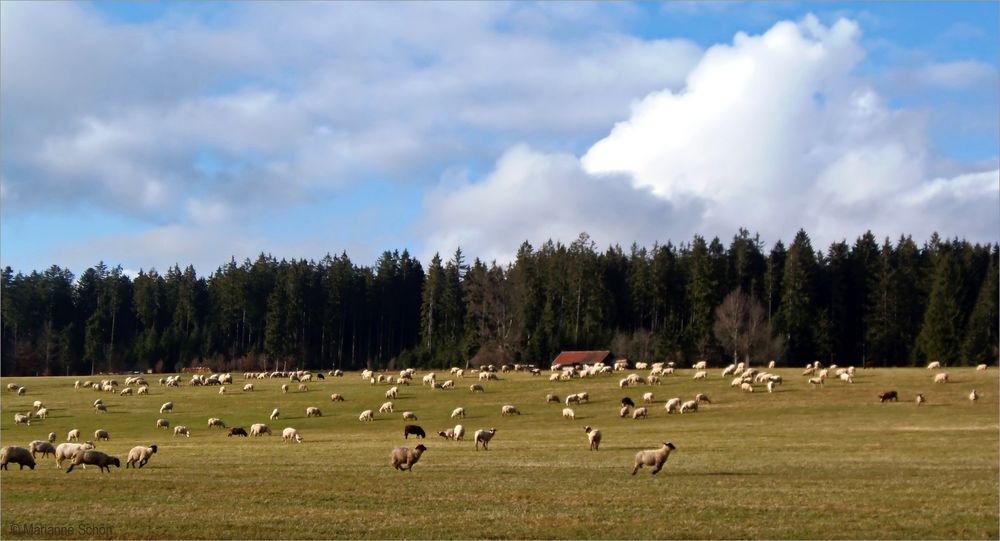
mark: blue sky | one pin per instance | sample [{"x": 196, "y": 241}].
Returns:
[{"x": 148, "y": 134}]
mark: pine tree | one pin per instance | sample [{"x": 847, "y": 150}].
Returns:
[
  {"x": 798, "y": 315},
  {"x": 940, "y": 336},
  {"x": 981, "y": 338}
]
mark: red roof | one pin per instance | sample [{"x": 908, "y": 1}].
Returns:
[{"x": 567, "y": 358}]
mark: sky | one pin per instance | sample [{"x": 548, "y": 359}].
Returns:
[{"x": 152, "y": 134}]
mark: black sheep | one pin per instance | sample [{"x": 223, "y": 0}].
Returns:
[
  {"x": 237, "y": 431},
  {"x": 415, "y": 430},
  {"x": 628, "y": 402}
]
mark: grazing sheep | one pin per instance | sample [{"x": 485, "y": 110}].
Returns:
[
  {"x": 770, "y": 365},
  {"x": 290, "y": 434},
  {"x": 509, "y": 410},
  {"x": 459, "y": 432},
  {"x": 44, "y": 447},
  {"x": 20, "y": 392},
  {"x": 746, "y": 387},
  {"x": 216, "y": 422},
  {"x": 846, "y": 378},
  {"x": 933, "y": 365},
  {"x": 68, "y": 450},
  {"x": 404, "y": 458},
  {"x": 572, "y": 398},
  {"x": 162, "y": 423},
  {"x": 17, "y": 455},
  {"x": 981, "y": 367},
  {"x": 409, "y": 416},
  {"x": 458, "y": 412},
  {"x": 37, "y": 405},
  {"x": 391, "y": 393},
  {"x": 639, "y": 413},
  {"x": 449, "y": 384},
  {"x": 97, "y": 402},
  {"x": 623, "y": 412},
  {"x": 127, "y": 391},
  {"x": 647, "y": 397},
  {"x": 386, "y": 408},
  {"x": 275, "y": 414},
  {"x": 476, "y": 388},
  {"x": 816, "y": 381},
  {"x": 810, "y": 370},
  {"x": 484, "y": 437},
  {"x": 144, "y": 390},
  {"x": 569, "y": 414},
  {"x": 770, "y": 386},
  {"x": 13, "y": 387},
  {"x": 690, "y": 405},
  {"x": 52, "y": 437},
  {"x": 284, "y": 388},
  {"x": 303, "y": 387},
  {"x": 415, "y": 430},
  {"x": 973, "y": 396},
  {"x": 887, "y": 396},
  {"x": 628, "y": 402},
  {"x": 702, "y": 397},
  {"x": 941, "y": 377},
  {"x": 448, "y": 433},
  {"x": 672, "y": 405},
  {"x": 101, "y": 408},
  {"x": 101, "y": 434},
  {"x": 167, "y": 407},
  {"x": 366, "y": 416},
  {"x": 259, "y": 429},
  {"x": 140, "y": 455},
  {"x": 248, "y": 387},
  {"x": 335, "y": 397},
  {"x": 73, "y": 435},
  {"x": 22, "y": 419},
  {"x": 181, "y": 430},
  {"x": 701, "y": 374},
  {"x": 653, "y": 457},
  {"x": 920, "y": 399},
  {"x": 313, "y": 411},
  {"x": 237, "y": 431},
  {"x": 95, "y": 458},
  {"x": 594, "y": 436}
]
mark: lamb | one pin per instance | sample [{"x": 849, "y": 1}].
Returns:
[
  {"x": 623, "y": 412},
  {"x": 639, "y": 413},
  {"x": 290, "y": 434},
  {"x": 508, "y": 410},
  {"x": 52, "y": 437},
  {"x": 404, "y": 458},
  {"x": 181, "y": 430},
  {"x": 933, "y": 365},
  {"x": 21, "y": 391},
  {"x": 568, "y": 414},
  {"x": 690, "y": 405},
  {"x": 672, "y": 405},
  {"x": 216, "y": 422},
  {"x": 22, "y": 419},
  {"x": 95, "y": 458},
  {"x": 391, "y": 393},
  {"x": 415, "y": 430},
  {"x": 127, "y": 391},
  {"x": 284, "y": 388},
  {"x": 973, "y": 396},
  {"x": 941, "y": 377},
  {"x": 366, "y": 416},
  {"x": 37, "y": 405},
  {"x": 459, "y": 432},
  {"x": 746, "y": 387},
  {"x": 484, "y": 437},
  {"x": 73, "y": 435},
  {"x": 68, "y": 451},
  {"x": 476, "y": 388},
  {"x": 981, "y": 367},
  {"x": 846, "y": 378},
  {"x": 702, "y": 397},
  {"x": 409, "y": 416},
  {"x": 653, "y": 457},
  {"x": 259, "y": 429},
  {"x": 167, "y": 407},
  {"x": 335, "y": 397},
  {"x": 275, "y": 414},
  {"x": 701, "y": 374},
  {"x": 920, "y": 399},
  {"x": 700, "y": 365},
  {"x": 816, "y": 381},
  {"x": 237, "y": 431},
  {"x": 162, "y": 423},
  {"x": 101, "y": 408},
  {"x": 628, "y": 402},
  {"x": 448, "y": 434},
  {"x": 458, "y": 412},
  {"x": 248, "y": 387},
  {"x": 313, "y": 411},
  {"x": 594, "y": 436},
  {"x": 887, "y": 396},
  {"x": 40, "y": 446},
  {"x": 101, "y": 434},
  {"x": 303, "y": 387},
  {"x": 647, "y": 397},
  {"x": 386, "y": 408},
  {"x": 17, "y": 455},
  {"x": 140, "y": 455}
]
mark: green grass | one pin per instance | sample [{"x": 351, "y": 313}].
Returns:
[{"x": 802, "y": 463}]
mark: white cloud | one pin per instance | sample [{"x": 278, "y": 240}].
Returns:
[{"x": 772, "y": 132}]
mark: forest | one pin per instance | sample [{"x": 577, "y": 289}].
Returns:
[{"x": 867, "y": 303}]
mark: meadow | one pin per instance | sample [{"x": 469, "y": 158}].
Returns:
[{"x": 800, "y": 463}]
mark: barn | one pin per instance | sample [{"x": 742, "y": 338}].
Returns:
[{"x": 580, "y": 358}]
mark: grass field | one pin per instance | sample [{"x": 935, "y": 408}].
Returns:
[{"x": 801, "y": 463}]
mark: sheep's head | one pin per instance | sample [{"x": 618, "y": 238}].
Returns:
[
  {"x": 153, "y": 447},
  {"x": 420, "y": 448},
  {"x": 587, "y": 429},
  {"x": 669, "y": 445},
  {"x": 116, "y": 462}
]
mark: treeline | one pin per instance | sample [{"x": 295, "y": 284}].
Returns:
[{"x": 882, "y": 303}]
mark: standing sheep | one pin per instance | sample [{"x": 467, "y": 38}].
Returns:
[
  {"x": 549, "y": 398},
  {"x": 182, "y": 430},
  {"x": 44, "y": 447},
  {"x": 458, "y": 412},
  {"x": 313, "y": 411},
  {"x": 216, "y": 422},
  {"x": 623, "y": 412},
  {"x": 594, "y": 436},
  {"x": 248, "y": 387},
  {"x": 448, "y": 433},
  {"x": 140, "y": 455},
  {"x": 639, "y": 413},
  {"x": 335, "y": 397},
  {"x": 647, "y": 397},
  {"x": 275, "y": 414},
  {"x": 22, "y": 419},
  {"x": 366, "y": 416},
  {"x": 973, "y": 396},
  {"x": 290, "y": 434},
  {"x": 415, "y": 430},
  {"x": 484, "y": 437},
  {"x": 95, "y": 458},
  {"x": 690, "y": 405},
  {"x": 459, "y": 432},
  {"x": 941, "y": 377},
  {"x": 476, "y": 388},
  {"x": 409, "y": 416},
  {"x": 920, "y": 399},
  {"x": 653, "y": 457},
  {"x": 284, "y": 388},
  {"x": 386, "y": 408},
  {"x": 508, "y": 410},
  {"x": 568, "y": 413},
  {"x": 701, "y": 374},
  {"x": 73, "y": 435},
  {"x": 162, "y": 423},
  {"x": 403, "y": 458},
  {"x": 101, "y": 434},
  {"x": 17, "y": 455},
  {"x": 672, "y": 405},
  {"x": 101, "y": 408},
  {"x": 237, "y": 431},
  {"x": 258, "y": 429},
  {"x": 69, "y": 450}
]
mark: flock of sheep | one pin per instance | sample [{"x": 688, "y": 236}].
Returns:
[{"x": 404, "y": 458}]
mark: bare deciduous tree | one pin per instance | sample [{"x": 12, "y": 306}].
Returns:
[{"x": 742, "y": 328}]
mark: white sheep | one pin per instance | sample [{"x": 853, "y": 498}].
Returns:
[
  {"x": 258, "y": 429},
  {"x": 653, "y": 457},
  {"x": 248, "y": 387},
  {"x": 459, "y": 432},
  {"x": 391, "y": 393},
  {"x": 458, "y": 412},
  {"x": 42, "y": 413},
  {"x": 214, "y": 421},
  {"x": 66, "y": 451},
  {"x": 222, "y": 390},
  {"x": 284, "y": 388},
  {"x": 336, "y": 397},
  {"x": 290, "y": 434},
  {"x": 140, "y": 455},
  {"x": 690, "y": 405},
  {"x": 386, "y": 408},
  {"x": 37, "y": 405},
  {"x": 73, "y": 435},
  {"x": 404, "y": 458},
  {"x": 973, "y": 396},
  {"x": 640, "y": 413},
  {"x": 647, "y": 397},
  {"x": 181, "y": 430},
  {"x": 920, "y": 399},
  {"x": 594, "y": 436},
  {"x": 941, "y": 377},
  {"x": 746, "y": 387},
  {"x": 770, "y": 386},
  {"x": 672, "y": 405},
  {"x": 303, "y": 387},
  {"x": 507, "y": 409},
  {"x": 933, "y": 365},
  {"x": 701, "y": 374},
  {"x": 162, "y": 423},
  {"x": 568, "y": 414},
  {"x": 313, "y": 411},
  {"x": 981, "y": 367},
  {"x": 846, "y": 378},
  {"x": 448, "y": 433},
  {"x": 570, "y": 398},
  {"x": 22, "y": 419},
  {"x": 476, "y": 388},
  {"x": 167, "y": 407},
  {"x": 484, "y": 437},
  {"x": 816, "y": 381},
  {"x": 366, "y": 416},
  {"x": 623, "y": 412},
  {"x": 409, "y": 416},
  {"x": 702, "y": 397},
  {"x": 52, "y": 437},
  {"x": 101, "y": 434},
  {"x": 275, "y": 414}
]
